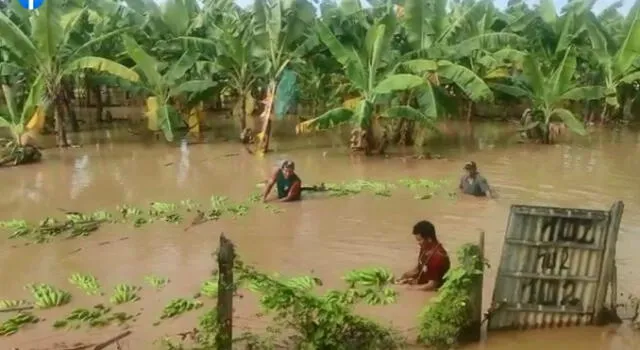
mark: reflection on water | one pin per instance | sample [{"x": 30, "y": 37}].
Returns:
[{"x": 325, "y": 236}]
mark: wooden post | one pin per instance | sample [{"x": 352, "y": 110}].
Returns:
[
  {"x": 602, "y": 314},
  {"x": 473, "y": 332},
  {"x": 226, "y": 256}
]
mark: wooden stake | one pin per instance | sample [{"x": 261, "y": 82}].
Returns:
[{"x": 226, "y": 256}]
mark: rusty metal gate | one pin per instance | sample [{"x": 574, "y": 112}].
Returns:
[{"x": 555, "y": 268}]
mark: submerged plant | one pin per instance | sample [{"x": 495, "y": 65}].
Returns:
[
  {"x": 88, "y": 283},
  {"x": 47, "y": 296},
  {"x": 124, "y": 293},
  {"x": 15, "y": 323},
  {"x": 444, "y": 319},
  {"x": 179, "y": 306},
  {"x": 328, "y": 321}
]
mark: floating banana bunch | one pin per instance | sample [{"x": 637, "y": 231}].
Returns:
[
  {"x": 88, "y": 283},
  {"x": 179, "y": 306},
  {"x": 47, "y": 296},
  {"x": 157, "y": 282},
  {"x": 16, "y": 322},
  {"x": 9, "y": 304},
  {"x": 165, "y": 211},
  {"x": 369, "y": 277},
  {"x": 98, "y": 316},
  {"x": 210, "y": 288},
  {"x": 124, "y": 293}
]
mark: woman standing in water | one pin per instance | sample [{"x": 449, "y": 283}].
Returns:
[{"x": 288, "y": 184}]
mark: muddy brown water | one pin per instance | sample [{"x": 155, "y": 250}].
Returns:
[{"x": 320, "y": 235}]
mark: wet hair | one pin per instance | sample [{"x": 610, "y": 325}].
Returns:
[
  {"x": 471, "y": 166},
  {"x": 425, "y": 229},
  {"x": 289, "y": 164}
]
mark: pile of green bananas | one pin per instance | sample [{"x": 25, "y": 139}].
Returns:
[
  {"x": 179, "y": 306},
  {"x": 157, "y": 282},
  {"x": 16, "y": 322},
  {"x": 88, "y": 283},
  {"x": 9, "y": 304},
  {"x": 124, "y": 293},
  {"x": 47, "y": 296},
  {"x": 210, "y": 288}
]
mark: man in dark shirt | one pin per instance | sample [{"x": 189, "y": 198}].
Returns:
[
  {"x": 433, "y": 260},
  {"x": 473, "y": 183},
  {"x": 288, "y": 184}
]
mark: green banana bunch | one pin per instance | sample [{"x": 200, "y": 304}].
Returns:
[
  {"x": 124, "y": 293},
  {"x": 88, "y": 283},
  {"x": 179, "y": 306},
  {"x": 157, "y": 282},
  {"x": 16, "y": 322},
  {"x": 369, "y": 277},
  {"x": 47, "y": 296},
  {"x": 210, "y": 288},
  {"x": 95, "y": 317},
  {"x": 8, "y": 304}
]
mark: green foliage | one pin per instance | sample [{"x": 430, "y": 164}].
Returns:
[
  {"x": 327, "y": 321},
  {"x": 443, "y": 320}
]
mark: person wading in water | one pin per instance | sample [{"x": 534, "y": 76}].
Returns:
[
  {"x": 433, "y": 260},
  {"x": 473, "y": 183},
  {"x": 288, "y": 184}
]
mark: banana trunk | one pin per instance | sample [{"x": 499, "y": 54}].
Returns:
[
  {"x": 152, "y": 113},
  {"x": 196, "y": 115},
  {"x": 37, "y": 120}
]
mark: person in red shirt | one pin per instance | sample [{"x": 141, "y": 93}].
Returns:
[{"x": 433, "y": 260}]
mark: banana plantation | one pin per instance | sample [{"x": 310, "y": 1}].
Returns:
[{"x": 391, "y": 70}]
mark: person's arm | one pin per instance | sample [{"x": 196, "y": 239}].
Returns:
[
  {"x": 484, "y": 186},
  {"x": 294, "y": 192},
  {"x": 461, "y": 180},
  {"x": 408, "y": 276},
  {"x": 427, "y": 287},
  {"x": 272, "y": 182}
]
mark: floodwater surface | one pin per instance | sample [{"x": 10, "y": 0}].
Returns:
[{"x": 323, "y": 236}]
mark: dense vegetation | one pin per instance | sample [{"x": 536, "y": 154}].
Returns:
[{"x": 391, "y": 69}]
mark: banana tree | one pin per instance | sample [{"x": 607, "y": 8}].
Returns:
[
  {"x": 373, "y": 78},
  {"x": 619, "y": 64},
  {"x": 282, "y": 28},
  {"x": 14, "y": 117},
  {"x": 46, "y": 53},
  {"x": 548, "y": 93},
  {"x": 437, "y": 39},
  {"x": 162, "y": 83}
]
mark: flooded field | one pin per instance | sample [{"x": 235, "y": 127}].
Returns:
[{"x": 321, "y": 235}]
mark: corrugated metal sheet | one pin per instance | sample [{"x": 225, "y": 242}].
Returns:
[{"x": 551, "y": 267}]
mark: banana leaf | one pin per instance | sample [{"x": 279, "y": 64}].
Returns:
[{"x": 285, "y": 93}]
